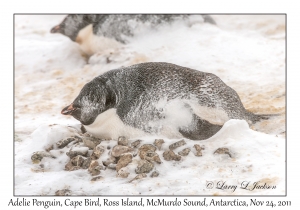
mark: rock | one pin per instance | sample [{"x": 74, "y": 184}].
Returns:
[
  {"x": 110, "y": 160},
  {"x": 184, "y": 152},
  {"x": 70, "y": 167},
  {"x": 123, "y": 172},
  {"x": 146, "y": 148},
  {"x": 122, "y": 140},
  {"x": 91, "y": 142},
  {"x": 177, "y": 144},
  {"x": 150, "y": 156},
  {"x": 198, "y": 149},
  {"x": 112, "y": 166},
  {"x": 77, "y": 161},
  {"x": 158, "y": 143},
  {"x": 124, "y": 160},
  {"x": 140, "y": 176},
  {"x": 38, "y": 156},
  {"x": 144, "y": 166},
  {"x": 223, "y": 150},
  {"x": 154, "y": 174},
  {"x": 97, "y": 152},
  {"x": 136, "y": 143},
  {"x": 94, "y": 168},
  {"x": 97, "y": 178},
  {"x": 49, "y": 148},
  {"x": 73, "y": 153},
  {"x": 86, "y": 163},
  {"x": 118, "y": 150},
  {"x": 64, "y": 142},
  {"x": 64, "y": 192},
  {"x": 170, "y": 155}
]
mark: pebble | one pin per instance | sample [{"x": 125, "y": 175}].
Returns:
[
  {"x": 136, "y": 143},
  {"x": 140, "y": 176},
  {"x": 94, "y": 168},
  {"x": 150, "y": 156},
  {"x": 122, "y": 140},
  {"x": 110, "y": 160},
  {"x": 70, "y": 167},
  {"x": 86, "y": 163},
  {"x": 154, "y": 174},
  {"x": 64, "y": 192},
  {"x": 38, "y": 156},
  {"x": 97, "y": 178},
  {"x": 198, "y": 149},
  {"x": 97, "y": 152},
  {"x": 74, "y": 153},
  {"x": 177, "y": 144},
  {"x": 170, "y": 155},
  {"x": 124, "y": 160},
  {"x": 64, "y": 142},
  {"x": 158, "y": 143},
  {"x": 223, "y": 150},
  {"x": 184, "y": 152},
  {"x": 144, "y": 166},
  {"x": 146, "y": 148},
  {"x": 123, "y": 172},
  {"x": 118, "y": 150},
  {"x": 91, "y": 142},
  {"x": 77, "y": 161}
]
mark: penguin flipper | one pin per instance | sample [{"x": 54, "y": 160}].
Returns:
[{"x": 200, "y": 129}]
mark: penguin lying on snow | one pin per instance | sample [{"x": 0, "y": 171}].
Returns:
[
  {"x": 157, "y": 98},
  {"x": 108, "y": 31}
]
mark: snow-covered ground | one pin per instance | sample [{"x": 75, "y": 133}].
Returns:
[{"x": 246, "y": 52}]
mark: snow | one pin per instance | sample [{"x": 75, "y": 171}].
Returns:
[{"x": 247, "y": 52}]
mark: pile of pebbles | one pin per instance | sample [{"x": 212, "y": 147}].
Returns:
[{"x": 86, "y": 152}]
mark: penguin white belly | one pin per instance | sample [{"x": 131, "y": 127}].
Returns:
[
  {"x": 108, "y": 125},
  {"x": 90, "y": 43}
]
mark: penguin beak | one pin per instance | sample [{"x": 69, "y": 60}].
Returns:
[
  {"x": 68, "y": 110},
  {"x": 55, "y": 29}
]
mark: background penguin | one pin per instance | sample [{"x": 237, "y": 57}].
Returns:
[
  {"x": 157, "y": 98},
  {"x": 104, "y": 31}
]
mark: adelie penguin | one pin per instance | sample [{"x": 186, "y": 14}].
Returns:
[
  {"x": 157, "y": 98},
  {"x": 99, "y": 32}
]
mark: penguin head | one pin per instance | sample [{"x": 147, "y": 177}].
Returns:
[
  {"x": 92, "y": 100},
  {"x": 72, "y": 24}
]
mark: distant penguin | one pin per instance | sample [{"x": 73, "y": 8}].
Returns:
[
  {"x": 104, "y": 31},
  {"x": 157, "y": 98}
]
